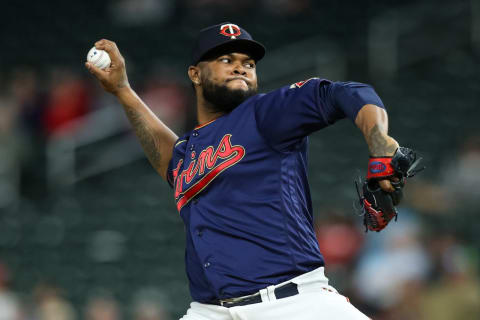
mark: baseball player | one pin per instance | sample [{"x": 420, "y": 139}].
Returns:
[{"x": 240, "y": 178}]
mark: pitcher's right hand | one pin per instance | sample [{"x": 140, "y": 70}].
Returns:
[{"x": 114, "y": 78}]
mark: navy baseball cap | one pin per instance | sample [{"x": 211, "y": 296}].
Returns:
[{"x": 224, "y": 38}]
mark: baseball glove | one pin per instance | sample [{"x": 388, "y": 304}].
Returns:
[{"x": 378, "y": 206}]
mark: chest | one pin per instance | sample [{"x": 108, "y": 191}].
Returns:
[{"x": 217, "y": 157}]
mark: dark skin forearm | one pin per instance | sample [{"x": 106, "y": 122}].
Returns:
[
  {"x": 379, "y": 142},
  {"x": 373, "y": 122},
  {"x": 156, "y": 138}
]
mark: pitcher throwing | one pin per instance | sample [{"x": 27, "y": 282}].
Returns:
[{"x": 240, "y": 178}]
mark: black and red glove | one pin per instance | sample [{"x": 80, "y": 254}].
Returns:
[{"x": 378, "y": 206}]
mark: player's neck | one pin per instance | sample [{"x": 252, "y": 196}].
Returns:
[
  {"x": 206, "y": 116},
  {"x": 204, "y": 112}
]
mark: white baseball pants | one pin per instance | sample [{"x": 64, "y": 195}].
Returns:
[{"x": 316, "y": 300}]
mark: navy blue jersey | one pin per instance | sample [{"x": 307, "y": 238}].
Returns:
[{"x": 240, "y": 185}]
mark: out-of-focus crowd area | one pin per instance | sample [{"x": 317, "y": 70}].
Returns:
[{"x": 89, "y": 231}]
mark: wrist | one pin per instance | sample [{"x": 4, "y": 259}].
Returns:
[
  {"x": 380, "y": 168},
  {"x": 383, "y": 146},
  {"x": 123, "y": 91}
]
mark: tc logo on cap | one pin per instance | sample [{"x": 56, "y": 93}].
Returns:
[{"x": 230, "y": 30}]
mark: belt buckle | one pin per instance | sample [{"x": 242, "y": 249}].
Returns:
[
  {"x": 222, "y": 302},
  {"x": 229, "y": 300},
  {"x": 235, "y": 300}
]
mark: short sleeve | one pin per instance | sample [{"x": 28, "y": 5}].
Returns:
[
  {"x": 177, "y": 154},
  {"x": 287, "y": 115},
  {"x": 170, "y": 173}
]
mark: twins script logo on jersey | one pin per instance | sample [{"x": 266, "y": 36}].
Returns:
[
  {"x": 230, "y": 30},
  {"x": 209, "y": 164}
]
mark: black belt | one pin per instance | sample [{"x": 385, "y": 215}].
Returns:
[{"x": 287, "y": 290}]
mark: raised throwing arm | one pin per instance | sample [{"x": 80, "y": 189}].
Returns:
[{"x": 156, "y": 138}]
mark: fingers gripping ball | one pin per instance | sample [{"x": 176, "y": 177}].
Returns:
[{"x": 99, "y": 58}]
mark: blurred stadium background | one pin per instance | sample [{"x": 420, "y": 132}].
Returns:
[{"x": 89, "y": 231}]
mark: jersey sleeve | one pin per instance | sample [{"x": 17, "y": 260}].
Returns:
[
  {"x": 287, "y": 115},
  {"x": 177, "y": 154}
]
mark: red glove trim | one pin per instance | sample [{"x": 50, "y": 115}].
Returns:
[
  {"x": 380, "y": 168},
  {"x": 374, "y": 219}
]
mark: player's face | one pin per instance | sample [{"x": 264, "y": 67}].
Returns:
[
  {"x": 237, "y": 71},
  {"x": 228, "y": 80}
]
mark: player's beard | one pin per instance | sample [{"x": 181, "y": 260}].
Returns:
[{"x": 222, "y": 98}]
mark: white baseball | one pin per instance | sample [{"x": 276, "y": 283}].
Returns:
[{"x": 99, "y": 58}]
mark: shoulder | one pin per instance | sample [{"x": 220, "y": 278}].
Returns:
[
  {"x": 310, "y": 82},
  {"x": 298, "y": 93},
  {"x": 181, "y": 143},
  {"x": 299, "y": 87}
]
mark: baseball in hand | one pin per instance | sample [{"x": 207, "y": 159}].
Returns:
[{"x": 98, "y": 58}]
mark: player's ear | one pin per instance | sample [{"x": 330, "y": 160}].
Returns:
[{"x": 194, "y": 75}]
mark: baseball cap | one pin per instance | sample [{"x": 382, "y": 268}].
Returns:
[{"x": 223, "y": 38}]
